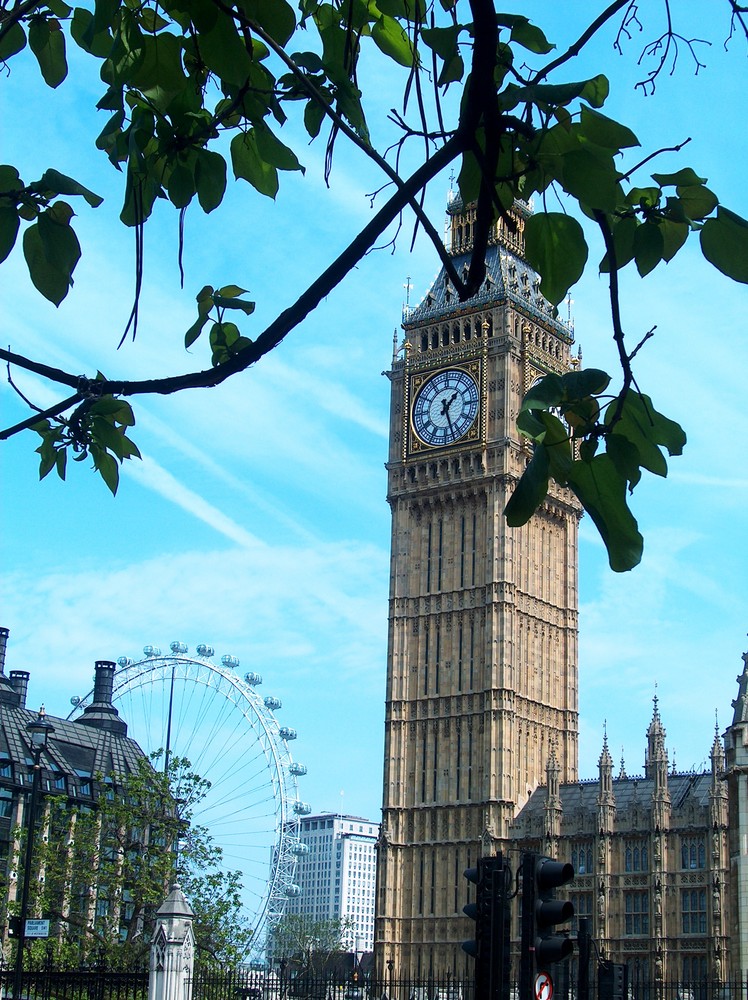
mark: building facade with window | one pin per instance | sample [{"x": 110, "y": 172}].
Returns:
[
  {"x": 652, "y": 860},
  {"x": 74, "y": 767},
  {"x": 336, "y": 874}
]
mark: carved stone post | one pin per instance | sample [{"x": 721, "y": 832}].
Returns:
[{"x": 173, "y": 950}]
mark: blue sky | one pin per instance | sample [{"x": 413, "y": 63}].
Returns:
[{"x": 257, "y": 521}]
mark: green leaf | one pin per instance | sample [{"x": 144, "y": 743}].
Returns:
[
  {"x": 47, "y": 42},
  {"x": 118, "y": 410},
  {"x": 271, "y": 149},
  {"x": 276, "y": 17},
  {"x": 159, "y": 73},
  {"x": 625, "y": 456},
  {"x": 223, "y": 51},
  {"x": 9, "y": 223},
  {"x": 314, "y": 115},
  {"x": 526, "y": 34},
  {"x": 624, "y": 234},
  {"x": 151, "y": 20},
  {"x": 548, "y": 391},
  {"x": 250, "y": 166},
  {"x": 553, "y": 95},
  {"x": 10, "y": 179},
  {"x": 13, "y": 41},
  {"x": 181, "y": 184},
  {"x": 605, "y": 132},
  {"x": 647, "y": 430},
  {"x": 52, "y": 180},
  {"x": 530, "y": 491},
  {"x": 602, "y": 492},
  {"x": 246, "y": 307},
  {"x": 231, "y": 291},
  {"x": 469, "y": 178},
  {"x": 644, "y": 197},
  {"x": 90, "y": 37},
  {"x": 443, "y": 41},
  {"x": 210, "y": 178},
  {"x": 452, "y": 70},
  {"x": 194, "y": 331},
  {"x": 724, "y": 243},
  {"x": 587, "y": 382},
  {"x": 674, "y": 235},
  {"x": 107, "y": 468},
  {"x": 558, "y": 446},
  {"x": 649, "y": 247},
  {"x": 390, "y": 37},
  {"x": 51, "y": 250},
  {"x": 556, "y": 248},
  {"x": 681, "y": 178},
  {"x": 591, "y": 179},
  {"x": 107, "y": 435},
  {"x": 697, "y": 201}
]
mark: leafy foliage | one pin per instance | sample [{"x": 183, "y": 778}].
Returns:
[
  {"x": 107, "y": 869},
  {"x": 194, "y": 88},
  {"x": 567, "y": 418}
]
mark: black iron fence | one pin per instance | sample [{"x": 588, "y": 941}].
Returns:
[
  {"x": 252, "y": 985},
  {"x": 97, "y": 983},
  {"x": 50, "y": 983}
]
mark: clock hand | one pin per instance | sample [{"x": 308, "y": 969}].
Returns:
[{"x": 446, "y": 403}]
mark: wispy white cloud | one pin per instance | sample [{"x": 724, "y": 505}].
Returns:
[{"x": 155, "y": 477}]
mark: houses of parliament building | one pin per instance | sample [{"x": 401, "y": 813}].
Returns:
[{"x": 481, "y": 720}]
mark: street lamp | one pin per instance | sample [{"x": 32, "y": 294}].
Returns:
[{"x": 39, "y": 731}]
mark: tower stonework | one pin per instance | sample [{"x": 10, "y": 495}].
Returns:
[{"x": 482, "y": 646}]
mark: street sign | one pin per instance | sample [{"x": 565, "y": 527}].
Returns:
[
  {"x": 543, "y": 986},
  {"x": 37, "y": 928}
]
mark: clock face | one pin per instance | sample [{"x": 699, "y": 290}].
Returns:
[{"x": 446, "y": 407}]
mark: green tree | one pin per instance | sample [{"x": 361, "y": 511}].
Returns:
[
  {"x": 193, "y": 87},
  {"x": 307, "y": 944},
  {"x": 105, "y": 870}
]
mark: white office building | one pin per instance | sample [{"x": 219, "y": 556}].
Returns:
[{"x": 337, "y": 874}]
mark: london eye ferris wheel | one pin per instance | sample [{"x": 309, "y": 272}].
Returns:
[{"x": 191, "y": 707}]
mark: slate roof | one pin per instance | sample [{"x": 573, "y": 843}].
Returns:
[
  {"x": 75, "y": 749},
  {"x": 626, "y": 792}
]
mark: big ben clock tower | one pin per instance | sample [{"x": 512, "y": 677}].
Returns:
[{"x": 482, "y": 657}]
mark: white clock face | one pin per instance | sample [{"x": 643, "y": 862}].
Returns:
[{"x": 446, "y": 407}]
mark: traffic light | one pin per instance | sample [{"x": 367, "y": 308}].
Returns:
[
  {"x": 490, "y": 947},
  {"x": 541, "y": 911},
  {"x": 14, "y": 926}
]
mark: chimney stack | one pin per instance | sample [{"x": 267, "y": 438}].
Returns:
[
  {"x": 101, "y": 712},
  {"x": 19, "y": 681}
]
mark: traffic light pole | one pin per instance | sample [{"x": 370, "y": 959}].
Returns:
[
  {"x": 527, "y": 947},
  {"x": 491, "y": 913}
]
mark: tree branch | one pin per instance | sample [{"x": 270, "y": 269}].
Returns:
[
  {"x": 285, "y": 321},
  {"x": 576, "y": 47}
]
